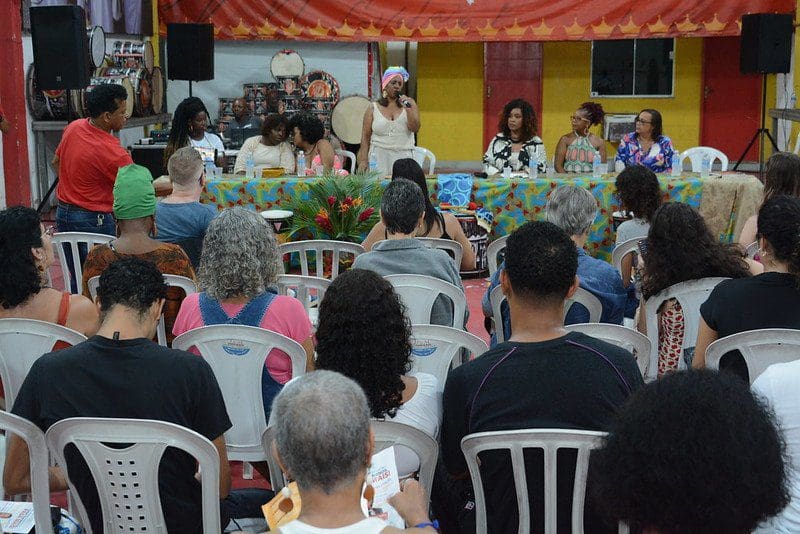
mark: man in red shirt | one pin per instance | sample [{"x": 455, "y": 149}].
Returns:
[{"x": 87, "y": 161}]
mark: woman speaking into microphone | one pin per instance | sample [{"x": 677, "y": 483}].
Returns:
[{"x": 389, "y": 125}]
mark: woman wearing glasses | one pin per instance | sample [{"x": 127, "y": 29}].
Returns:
[
  {"x": 647, "y": 146},
  {"x": 575, "y": 150}
]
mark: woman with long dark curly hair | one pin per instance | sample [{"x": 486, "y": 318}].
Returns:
[
  {"x": 189, "y": 124},
  {"x": 575, "y": 150},
  {"x": 516, "y": 145},
  {"x": 781, "y": 177},
  {"x": 364, "y": 334},
  {"x": 308, "y": 134},
  {"x": 679, "y": 248}
]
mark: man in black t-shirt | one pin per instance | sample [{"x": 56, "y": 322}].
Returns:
[
  {"x": 543, "y": 377},
  {"x": 120, "y": 372}
]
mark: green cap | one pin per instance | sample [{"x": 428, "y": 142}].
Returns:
[{"x": 134, "y": 195}]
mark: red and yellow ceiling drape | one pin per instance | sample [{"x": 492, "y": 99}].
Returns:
[{"x": 466, "y": 20}]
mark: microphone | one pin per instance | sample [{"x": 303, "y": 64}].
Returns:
[{"x": 404, "y": 101}]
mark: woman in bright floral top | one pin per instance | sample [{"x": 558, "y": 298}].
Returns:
[{"x": 647, "y": 146}]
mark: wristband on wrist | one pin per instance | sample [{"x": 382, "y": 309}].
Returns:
[{"x": 434, "y": 524}]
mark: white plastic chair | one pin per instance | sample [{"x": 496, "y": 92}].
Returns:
[
  {"x": 690, "y": 295},
  {"x": 390, "y": 434},
  {"x": 436, "y": 349},
  {"x": 493, "y": 250},
  {"x": 622, "y": 250},
  {"x": 72, "y": 240},
  {"x": 127, "y": 479},
  {"x": 172, "y": 280},
  {"x": 420, "y": 154},
  {"x": 453, "y": 248},
  {"x": 22, "y": 342},
  {"x": 38, "y": 458},
  {"x": 336, "y": 250},
  {"x": 347, "y": 154},
  {"x": 752, "y": 250},
  {"x": 307, "y": 289},
  {"x": 237, "y": 354},
  {"x": 695, "y": 155},
  {"x": 581, "y": 296},
  {"x": 759, "y": 348},
  {"x": 276, "y": 479},
  {"x": 549, "y": 441},
  {"x": 418, "y": 292},
  {"x": 626, "y": 338}
]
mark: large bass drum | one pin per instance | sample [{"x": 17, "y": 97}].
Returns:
[
  {"x": 157, "y": 88},
  {"x": 50, "y": 105},
  {"x": 347, "y": 118},
  {"x": 142, "y": 89},
  {"x": 124, "y": 81}
]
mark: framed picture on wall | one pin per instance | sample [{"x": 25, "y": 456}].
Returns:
[{"x": 616, "y": 125}]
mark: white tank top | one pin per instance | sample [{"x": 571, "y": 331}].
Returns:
[
  {"x": 369, "y": 525},
  {"x": 392, "y": 135}
]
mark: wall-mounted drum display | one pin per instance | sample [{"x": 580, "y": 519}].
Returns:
[
  {"x": 287, "y": 64},
  {"x": 97, "y": 45},
  {"x": 133, "y": 54},
  {"x": 143, "y": 95},
  {"x": 347, "y": 118}
]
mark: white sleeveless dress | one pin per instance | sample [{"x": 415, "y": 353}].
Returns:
[{"x": 391, "y": 140}]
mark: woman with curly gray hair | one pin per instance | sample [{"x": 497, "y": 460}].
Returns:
[{"x": 239, "y": 263}]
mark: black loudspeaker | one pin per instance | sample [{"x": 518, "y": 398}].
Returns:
[
  {"x": 190, "y": 52},
  {"x": 766, "y": 43},
  {"x": 60, "y": 47}
]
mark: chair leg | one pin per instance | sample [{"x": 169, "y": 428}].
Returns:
[{"x": 247, "y": 471}]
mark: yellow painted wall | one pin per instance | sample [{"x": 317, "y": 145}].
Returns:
[{"x": 450, "y": 95}]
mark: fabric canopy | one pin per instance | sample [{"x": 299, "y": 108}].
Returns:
[{"x": 466, "y": 20}]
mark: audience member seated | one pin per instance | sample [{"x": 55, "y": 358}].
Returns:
[
  {"x": 679, "y": 248},
  {"x": 358, "y": 308},
  {"x": 403, "y": 214},
  {"x": 574, "y": 209},
  {"x": 575, "y": 151},
  {"x": 695, "y": 452},
  {"x": 308, "y": 135},
  {"x": 768, "y": 300},
  {"x": 239, "y": 266},
  {"x": 323, "y": 442},
  {"x": 134, "y": 209},
  {"x": 781, "y": 177},
  {"x": 647, "y": 145},
  {"x": 543, "y": 377},
  {"x": 442, "y": 225},
  {"x": 121, "y": 373},
  {"x": 180, "y": 217},
  {"x": 516, "y": 145},
  {"x": 244, "y": 124},
  {"x": 270, "y": 149}
]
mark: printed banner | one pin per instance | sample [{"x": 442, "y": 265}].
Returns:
[{"x": 466, "y": 20}]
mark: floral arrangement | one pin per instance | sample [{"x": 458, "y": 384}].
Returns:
[{"x": 342, "y": 208}]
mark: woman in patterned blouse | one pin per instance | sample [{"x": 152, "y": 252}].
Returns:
[
  {"x": 516, "y": 145},
  {"x": 648, "y": 145}
]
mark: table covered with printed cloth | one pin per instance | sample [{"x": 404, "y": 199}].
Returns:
[{"x": 725, "y": 201}]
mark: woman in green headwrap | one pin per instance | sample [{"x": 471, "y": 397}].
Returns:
[{"x": 134, "y": 210}]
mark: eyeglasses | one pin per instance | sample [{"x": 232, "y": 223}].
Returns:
[
  {"x": 642, "y": 121},
  {"x": 575, "y": 118}
]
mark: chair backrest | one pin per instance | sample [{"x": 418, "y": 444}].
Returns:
[
  {"x": 336, "y": 250},
  {"x": 72, "y": 240},
  {"x": 127, "y": 478},
  {"x": 549, "y": 441},
  {"x": 237, "y": 354},
  {"x": 493, "y": 250},
  {"x": 453, "y": 248},
  {"x": 307, "y": 289},
  {"x": 22, "y": 342},
  {"x": 420, "y": 154},
  {"x": 347, "y": 154},
  {"x": 172, "y": 280},
  {"x": 690, "y": 295},
  {"x": 37, "y": 456},
  {"x": 418, "y": 292},
  {"x": 622, "y": 250},
  {"x": 751, "y": 250},
  {"x": 695, "y": 155},
  {"x": 759, "y": 348},
  {"x": 436, "y": 349},
  {"x": 389, "y": 434},
  {"x": 581, "y": 296},
  {"x": 276, "y": 479},
  {"x": 626, "y": 338}
]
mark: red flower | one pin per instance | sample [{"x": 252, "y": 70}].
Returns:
[
  {"x": 331, "y": 200},
  {"x": 366, "y": 214},
  {"x": 348, "y": 201}
]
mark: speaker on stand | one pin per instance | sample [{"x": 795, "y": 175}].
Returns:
[
  {"x": 766, "y": 48},
  {"x": 190, "y": 52}
]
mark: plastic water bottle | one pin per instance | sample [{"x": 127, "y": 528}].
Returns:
[
  {"x": 533, "y": 170},
  {"x": 506, "y": 172},
  {"x": 301, "y": 164},
  {"x": 209, "y": 165},
  {"x": 677, "y": 168},
  {"x": 597, "y": 166},
  {"x": 250, "y": 167},
  {"x": 705, "y": 167},
  {"x": 373, "y": 162}
]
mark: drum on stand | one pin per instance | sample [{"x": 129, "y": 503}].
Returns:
[
  {"x": 478, "y": 238},
  {"x": 347, "y": 118},
  {"x": 280, "y": 220},
  {"x": 97, "y": 46},
  {"x": 133, "y": 54},
  {"x": 157, "y": 90},
  {"x": 142, "y": 89},
  {"x": 124, "y": 81}
]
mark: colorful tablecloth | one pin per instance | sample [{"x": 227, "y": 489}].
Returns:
[{"x": 725, "y": 201}]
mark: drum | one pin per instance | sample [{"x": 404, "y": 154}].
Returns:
[
  {"x": 140, "y": 79},
  {"x": 97, "y": 45},
  {"x": 133, "y": 54},
  {"x": 478, "y": 238},
  {"x": 56, "y": 104},
  {"x": 319, "y": 85},
  {"x": 280, "y": 220},
  {"x": 157, "y": 89},
  {"x": 347, "y": 118},
  {"x": 37, "y": 105},
  {"x": 287, "y": 64},
  {"x": 124, "y": 81}
]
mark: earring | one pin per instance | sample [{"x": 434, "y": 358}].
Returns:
[{"x": 384, "y": 93}]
